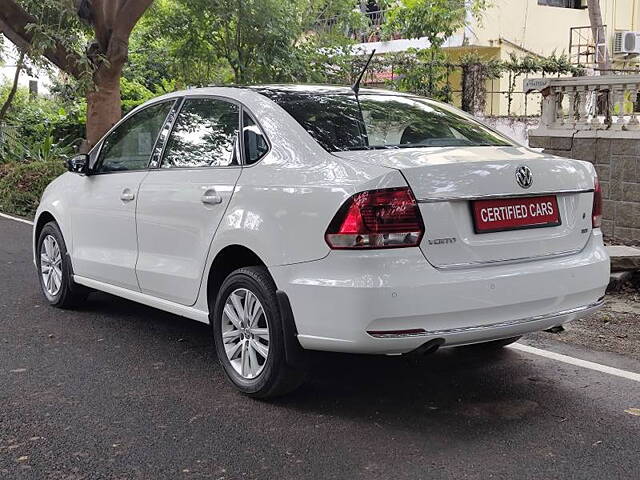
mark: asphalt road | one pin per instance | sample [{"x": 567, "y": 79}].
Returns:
[{"x": 116, "y": 390}]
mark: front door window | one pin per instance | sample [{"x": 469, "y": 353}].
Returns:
[{"x": 129, "y": 146}]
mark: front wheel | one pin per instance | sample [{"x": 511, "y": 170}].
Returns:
[
  {"x": 249, "y": 337},
  {"x": 54, "y": 269}
]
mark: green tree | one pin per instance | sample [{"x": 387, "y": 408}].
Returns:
[
  {"x": 57, "y": 31},
  {"x": 249, "y": 41},
  {"x": 437, "y": 20},
  {"x": 182, "y": 55}
]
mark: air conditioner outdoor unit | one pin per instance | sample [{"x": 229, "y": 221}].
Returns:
[{"x": 627, "y": 43}]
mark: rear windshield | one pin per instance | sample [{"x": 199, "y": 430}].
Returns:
[{"x": 337, "y": 123}]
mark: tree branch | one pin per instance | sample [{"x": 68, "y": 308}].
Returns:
[
  {"x": 14, "y": 22},
  {"x": 14, "y": 87},
  {"x": 128, "y": 14},
  {"x": 113, "y": 21}
]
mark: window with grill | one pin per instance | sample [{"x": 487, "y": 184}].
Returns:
[{"x": 563, "y": 3}]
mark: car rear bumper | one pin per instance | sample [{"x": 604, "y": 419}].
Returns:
[{"x": 393, "y": 301}]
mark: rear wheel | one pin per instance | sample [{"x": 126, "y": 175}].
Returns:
[
  {"x": 249, "y": 337},
  {"x": 54, "y": 269}
]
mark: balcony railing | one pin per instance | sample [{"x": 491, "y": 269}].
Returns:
[
  {"x": 608, "y": 102},
  {"x": 369, "y": 30}
]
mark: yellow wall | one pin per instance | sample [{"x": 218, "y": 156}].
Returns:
[
  {"x": 523, "y": 26},
  {"x": 543, "y": 29},
  {"x": 622, "y": 14}
]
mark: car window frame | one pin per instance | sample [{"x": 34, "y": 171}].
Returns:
[
  {"x": 97, "y": 150},
  {"x": 239, "y": 144},
  {"x": 264, "y": 135}
]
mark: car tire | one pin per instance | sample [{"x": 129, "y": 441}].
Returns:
[
  {"x": 249, "y": 336},
  {"x": 494, "y": 344},
  {"x": 54, "y": 269}
]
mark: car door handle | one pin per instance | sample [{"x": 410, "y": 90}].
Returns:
[
  {"x": 127, "y": 195},
  {"x": 211, "y": 197}
]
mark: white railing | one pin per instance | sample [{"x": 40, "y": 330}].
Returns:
[{"x": 608, "y": 102}]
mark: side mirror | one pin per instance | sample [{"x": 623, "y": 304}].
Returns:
[{"x": 78, "y": 163}]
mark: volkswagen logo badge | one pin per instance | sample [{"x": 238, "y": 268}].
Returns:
[{"x": 524, "y": 177}]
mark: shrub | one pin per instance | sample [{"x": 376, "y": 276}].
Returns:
[
  {"x": 13, "y": 150},
  {"x": 22, "y": 184},
  {"x": 30, "y": 121}
]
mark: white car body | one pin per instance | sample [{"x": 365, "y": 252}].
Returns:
[{"x": 159, "y": 245}]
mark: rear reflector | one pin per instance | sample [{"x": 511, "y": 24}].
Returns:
[
  {"x": 386, "y": 218},
  {"x": 397, "y": 333},
  {"x": 596, "y": 213}
]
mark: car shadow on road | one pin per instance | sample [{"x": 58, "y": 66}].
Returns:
[{"x": 469, "y": 384}]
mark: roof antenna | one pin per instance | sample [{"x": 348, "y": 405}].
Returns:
[{"x": 356, "y": 86}]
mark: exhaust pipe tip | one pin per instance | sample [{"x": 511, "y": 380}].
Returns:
[{"x": 427, "y": 348}]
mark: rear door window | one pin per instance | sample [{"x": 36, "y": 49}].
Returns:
[
  {"x": 255, "y": 143},
  {"x": 205, "y": 134}
]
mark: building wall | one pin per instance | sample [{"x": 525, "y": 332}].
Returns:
[
  {"x": 542, "y": 29},
  {"x": 523, "y": 26},
  {"x": 516, "y": 128},
  {"x": 8, "y": 70},
  {"x": 537, "y": 28},
  {"x": 616, "y": 156}
]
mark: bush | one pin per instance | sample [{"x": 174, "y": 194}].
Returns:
[
  {"x": 22, "y": 184},
  {"x": 34, "y": 122}
]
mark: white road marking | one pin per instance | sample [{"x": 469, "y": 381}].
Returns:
[
  {"x": 576, "y": 361},
  {"x": 11, "y": 217}
]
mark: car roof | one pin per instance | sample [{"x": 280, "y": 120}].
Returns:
[
  {"x": 313, "y": 89},
  {"x": 235, "y": 91}
]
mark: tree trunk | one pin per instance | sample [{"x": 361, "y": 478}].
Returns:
[
  {"x": 14, "y": 87},
  {"x": 597, "y": 29},
  {"x": 103, "y": 104},
  {"x": 112, "y": 22},
  {"x": 474, "y": 89}
]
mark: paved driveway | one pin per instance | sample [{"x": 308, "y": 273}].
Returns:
[{"x": 118, "y": 390}]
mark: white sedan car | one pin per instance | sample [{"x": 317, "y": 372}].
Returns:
[{"x": 296, "y": 218}]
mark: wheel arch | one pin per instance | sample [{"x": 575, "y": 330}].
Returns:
[
  {"x": 228, "y": 259},
  {"x": 43, "y": 218}
]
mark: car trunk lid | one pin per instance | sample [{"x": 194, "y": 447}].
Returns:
[{"x": 446, "y": 182}]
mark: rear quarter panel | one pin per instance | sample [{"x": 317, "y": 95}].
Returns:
[{"x": 281, "y": 210}]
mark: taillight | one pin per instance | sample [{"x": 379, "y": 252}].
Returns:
[
  {"x": 596, "y": 212},
  {"x": 386, "y": 218}
]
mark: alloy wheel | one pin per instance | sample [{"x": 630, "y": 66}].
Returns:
[
  {"x": 245, "y": 333},
  {"x": 51, "y": 265}
]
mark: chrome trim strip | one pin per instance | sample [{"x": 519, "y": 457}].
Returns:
[
  {"x": 509, "y": 261},
  {"x": 498, "y": 195},
  {"x": 510, "y": 323}
]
